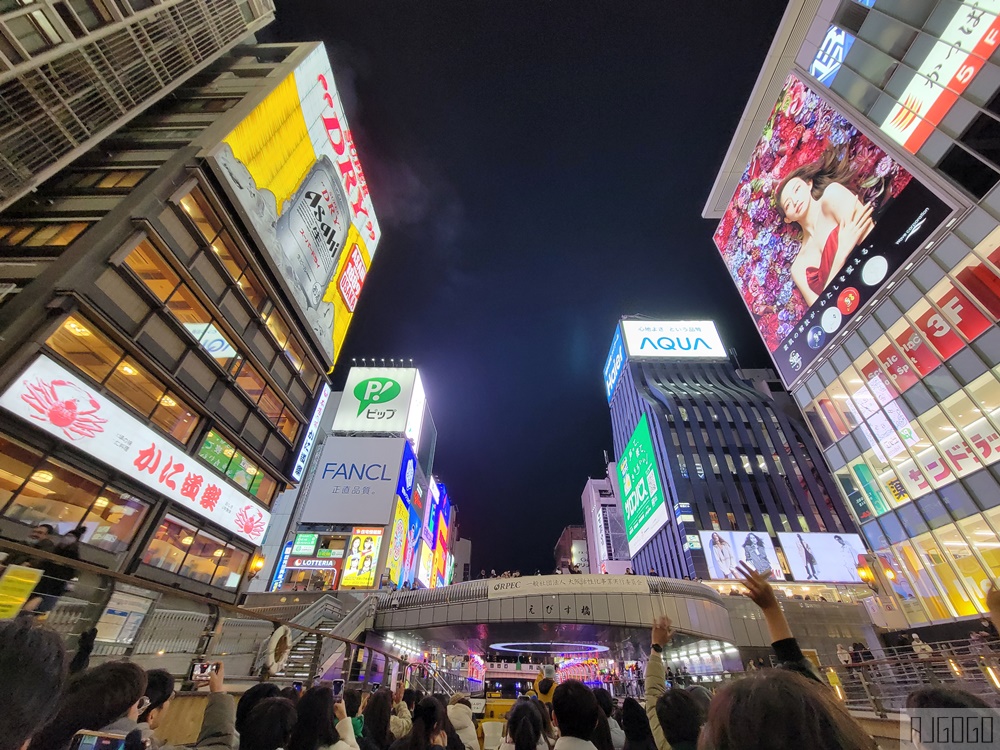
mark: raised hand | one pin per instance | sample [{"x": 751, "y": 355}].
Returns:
[
  {"x": 663, "y": 631},
  {"x": 216, "y": 677},
  {"x": 757, "y": 587}
]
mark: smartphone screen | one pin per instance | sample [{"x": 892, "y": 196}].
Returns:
[
  {"x": 376, "y": 686},
  {"x": 201, "y": 671},
  {"x": 97, "y": 741},
  {"x": 338, "y": 687},
  {"x": 297, "y": 686}
]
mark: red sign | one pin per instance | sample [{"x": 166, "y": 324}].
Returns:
[
  {"x": 898, "y": 367},
  {"x": 921, "y": 357},
  {"x": 962, "y": 314},
  {"x": 352, "y": 278}
]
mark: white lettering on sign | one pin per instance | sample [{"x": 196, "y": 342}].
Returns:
[{"x": 673, "y": 339}]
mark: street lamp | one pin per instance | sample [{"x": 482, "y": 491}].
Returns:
[{"x": 256, "y": 566}]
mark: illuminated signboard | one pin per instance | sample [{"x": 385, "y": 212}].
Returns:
[
  {"x": 817, "y": 225},
  {"x": 361, "y": 558},
  {"x": 725, "y": 549},
  {"x": 960, "y": 52},
  {"x": 644, "y": 508},
  {"x": 66, "y": 406},
  {"x": 673, "y": 339},
  {"x": 377, "y": 399},
  {"x": 292, "y": 169},
  {"x": 426, "y": 565},
  {"x": 429, "y": 532},
  {"x": 397, "y": 541},
  {"x": 823, "y": 557},
  {"x": 830, "y": 55},
  {"x": 310, "y": 438},
  {"x": 415, "y": 414},
  {"x": 305, "y": 544},
  {"x": 615, "y": 364}
]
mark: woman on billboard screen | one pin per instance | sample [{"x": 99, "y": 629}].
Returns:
[
  {"x": 756, "y": 555},
  {"x": 722, "y": 553}
]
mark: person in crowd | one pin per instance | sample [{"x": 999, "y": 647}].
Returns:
[
  {"x": 460, "y": 715},
  {"x": 322, "y": 723},
  {"x": 629, "y": 572},
  {"x": 268, "y": 725},
  {"x": 160, "y": 692},
  {"x": 291, "y": 693},
  {"x": 352, "y": 705},
  {"x": 843, "y": 655},
  {"x": 385, "y": 722},
  {"x": 779, "y": 709},
  {"x": 524, "y": 728},
  {"x": 254, "y": 695},
  {"x": 635, "y": 724},
  {"x": 482, "y": 574},
  {"x": 112, "y": 696},
  {"x": 921, "y": 649},
  {"x": 428, "y": 727},
  {"x": 55, "y": 575},
  {"x": 493, "y": 573},
  {"x": 454, "y": 741},
  {"x": 702, "y": 697},
  {"x": 680, "y": 718},
  {"x": 607, "y": 705},
  {"x": 42, "y": 537},
  {"x": 33, "y": 669},
  {"x": 575, "y": 714},
  {"x": 601, "y": 736},
  {"x": 652, "y": 572}
]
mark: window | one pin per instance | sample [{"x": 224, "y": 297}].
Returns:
[
  {"x": 196, "y": 206},
  {"x": 202, "y": 556},
  {"x": 53, "y": 234},
  {"x": 92, "y": 13},
  {"x": 86, "y": 348},
  {"x": 240, "y": 470},
  {"x": 180, "y": 547},
  {"x": 968, "y": 172},
  {"x": 56, "y": 494},
  {"x": 168, "y": 547},
  {"x": 232, "y": 563},
  {"x": 153, "y": 270},
  {"x": 16, "y": 463},
  {"x": 34, "y": 31},
  {"x": 173, "y": 417},
  {"x": 939, "y": 562},
  {"x": 113, "y": 520}
]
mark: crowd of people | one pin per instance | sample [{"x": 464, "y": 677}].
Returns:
[
  {"x": 57, "y": 577},
  {"x": 46, "y": 699}
]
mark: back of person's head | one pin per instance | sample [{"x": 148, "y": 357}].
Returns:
[
  {"x": 460, "y": 699},
  {"x": 943, "y": 697},
  {"x": 159, "y": 690},
  {"x": 33, "y": 665},
  {"x": 679, "y": 716},
  {"x": 352, "y": 701},
  {"x": 780, "y": 710},
  {"x": 575, "y": 709},
  {"x": 702, "y": 697},
  {"x": 269, "y": 725},
  {"x": 545, "y": 686},
  {"x": 524, "y": 726},
  {"x": 316, "y": 725},
  {"x": 291, "y": 694},
  {"x": 249, "y": 699},
  {"x": 92, "y": 700},
  {"x": 601, "y": 736},
  {"x": 378, "y": 714},
  {"x": 446, "y": 724},
  {"x": 429, "y": 717},
  {"x": 410, "y": 698},
  {"x": 635, "y": 723},
  {"x": 604, "y": 700}
]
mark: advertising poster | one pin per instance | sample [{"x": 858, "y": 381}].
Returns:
[
  {"x": 615, "y": 364},
  {"x": 397, "y": 541},
  {"x": 361, "y": 558},
  {"x": 376, "y": 399},
  {"x": 643, "y": 501},
  {"x": 355, "y": 481},
  {"x": 832, "y": 558},
  {"x": 820, "y": 220},
  {"x": 425, "y": 568},
  {"x": 724, "y": 550},
  {"x": 292, "y": 168},
  {"x": 415, "y": 522},
  {"x": 429, "y": 531},
  {"x": 673, "y": 339},
  {"x": 305, "y": 544}
]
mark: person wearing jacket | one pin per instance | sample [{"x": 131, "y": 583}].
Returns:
[
  {"x": 160, "y": 691},
  {"x": 656, "y": 677},
  {"x": 323, "y": 723},
  {"x": 460, "y": 715}
]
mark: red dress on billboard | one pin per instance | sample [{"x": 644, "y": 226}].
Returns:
[{"x": 816, "y": 277}]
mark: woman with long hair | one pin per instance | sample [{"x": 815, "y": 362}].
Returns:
[
  {"x": 755, "y": 554},
  {"x": 722, "y": 553},
  {"x": 635, "y": 724},
  {"x": 322, "y": 723},
  {"x": 601, "y": 736},
  {"x": 428, "y": 728},
  {"x": 820, "y": 198},
  {"x": 525, "y": 730},
  {"x": 378, "y": 718}
]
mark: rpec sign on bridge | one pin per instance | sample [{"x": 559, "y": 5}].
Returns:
[{"x": 694, "y": 339}]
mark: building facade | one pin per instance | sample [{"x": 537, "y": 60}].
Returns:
[
  {"x": 900, "y": 382},
  {"x": 607, "y": 545},
  {"x": 571, "y": 549},
  {"x": 161, "y": 376},
  {"x": 706, "y": 458}
]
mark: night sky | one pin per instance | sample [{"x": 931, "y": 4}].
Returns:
[{"x": 539, "y": 168}]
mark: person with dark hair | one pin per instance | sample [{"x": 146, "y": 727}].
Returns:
[
  {"x": 428, "y": 727},
  {"x": 160, "y": 691},
  {"x": 378, "y": 718},
  {"x": 410, "y": 698},
  {"x": 56, "y": 575},
  {"x": 778, "y": 709},
  {"x": 292, "y": 694},
  {"x": 607, "y": 705},
  {"x": 524, "y": 728},
  {"x": 575, "y": 714},
  {"x": 944, "y": 697},
  {"x": 322, "y": 723},
  {"x": 253, "y": 695},
  {"x": 32, "y": 674},
  {"x": 352, "y": 705},
  {"x": 41, "y": 538},
  {"x": 679, "y": 718},
  {"x": 601, "y": 736},
  {"x": 454, "y": 741},
  {"x": 635, "y": 724},
  {"x": 460, "y": 716},
  {"x": 544, "y": 687},
  {"x": 268, "y": 725},
  {"x": 702, "y": 697}
]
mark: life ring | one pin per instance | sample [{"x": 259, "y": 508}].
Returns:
[{"x": 279, "y": 647}]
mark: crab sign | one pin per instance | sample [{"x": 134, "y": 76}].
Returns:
[
  {"x": 65, "y": 405},
  {"x": 248, "y": 523}
]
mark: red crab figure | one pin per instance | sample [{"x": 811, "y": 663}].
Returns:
[
  {"x": 252, "y": 526},
  {"x": 65, "y": 405}
]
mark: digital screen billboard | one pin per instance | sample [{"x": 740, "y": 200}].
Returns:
[
  {"x": 643, "y": 500},
  {"x": 673, "y": 339},
  {"x": 376, "y": 399},
  {"x": 361, "y": 558},
  {"x": 425, "y": 567},
  {"x": 615, "y": 364},
  {"x": 724, "y": 550},
  {"x": 429, "y": 532},
  {"x": 832, "y": 558},
  {"x": 292, "y": 169},
  {"x": 397, "y": 541},
  {"x": 415, "y": 521},
  {"x": 821, "y": 218}
]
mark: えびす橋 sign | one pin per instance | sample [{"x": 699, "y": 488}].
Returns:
[{"x": 64, "y": 405}]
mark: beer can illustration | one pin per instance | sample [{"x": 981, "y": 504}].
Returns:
[{"x": 312, "y": 230}]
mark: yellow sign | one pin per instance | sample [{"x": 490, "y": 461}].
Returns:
[{"x": 16, "y": 586}]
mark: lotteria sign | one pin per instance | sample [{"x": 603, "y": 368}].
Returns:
[
  {"x": 615, "y": 364},
  {"x": 67, "y": 407},
  {"x": 680, "y": 339}
]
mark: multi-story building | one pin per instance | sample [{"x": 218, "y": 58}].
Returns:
[
  {"x": 711, "y": 470},
  {"x": 607, "y": 545},
  {"x": 884, "y": 330},
  {"x": 74, "y": 71},
  {"x": 571, "y": 549},
  {"x": 163, "y": 353}
]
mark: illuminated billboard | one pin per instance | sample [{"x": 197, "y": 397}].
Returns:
[
  {"x": 949, "y": 66},
  {"x": 672, "y": 339},
  {"x": 724, "y": 550},
  {"x": 397, "y": 541},
  {"x": 643, "y": 499},
  {"x": 361, "y": 558},
  {"x": 832, "y": 558},
  {"x": 378, "y": 399},
  {"x": 425, "y": 567},
  {"x": 821, "y": 218},
  {"x": 615, "y": 364},
  {"x": 292, "y": 169},
  {"x": 831, "y": 54}
]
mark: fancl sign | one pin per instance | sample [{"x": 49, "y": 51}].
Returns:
[{"x": 697, "y": 339}]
